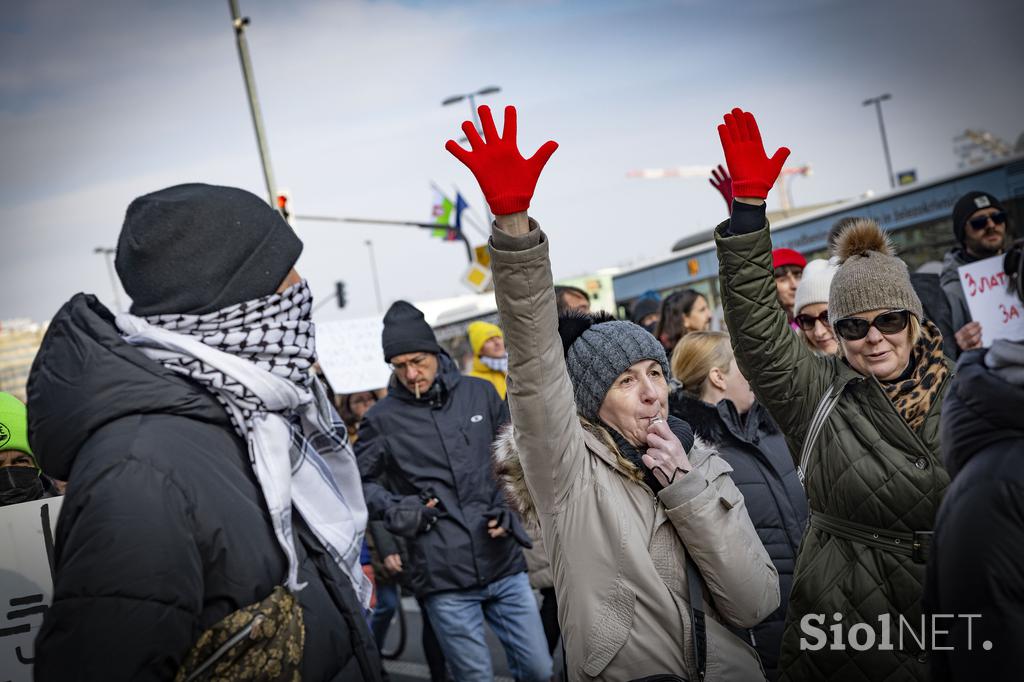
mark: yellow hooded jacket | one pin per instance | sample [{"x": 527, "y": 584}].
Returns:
[{"x": 479, "y": 333}]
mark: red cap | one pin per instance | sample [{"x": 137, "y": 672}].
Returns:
[{"x": 783, "y": 257}]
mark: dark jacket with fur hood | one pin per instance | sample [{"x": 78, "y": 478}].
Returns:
[{"x": 763, "y": 470}]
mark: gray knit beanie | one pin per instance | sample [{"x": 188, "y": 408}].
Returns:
[
  {"x": 870, "y": 276},
  {"x": 603, "y": 352}
]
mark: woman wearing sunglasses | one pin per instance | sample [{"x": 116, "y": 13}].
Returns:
[
  {"x": 812, "y": 307},
  {"x": 863, "y": 424}
]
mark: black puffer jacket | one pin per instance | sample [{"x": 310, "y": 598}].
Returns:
[
  {"x": 763, "y": 470},
  {"x": 164, "y": 530},
  {"x": 442, "y": 443},
  {"x": 976, "y": 560}
]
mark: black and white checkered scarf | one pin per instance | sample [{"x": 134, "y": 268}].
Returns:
[{"x": 256, "y": 359}]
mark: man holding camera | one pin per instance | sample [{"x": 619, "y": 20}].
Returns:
[{"x": 424, "y": 455}]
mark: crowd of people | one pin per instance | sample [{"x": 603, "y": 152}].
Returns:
[{"x": 638, "y": 499}]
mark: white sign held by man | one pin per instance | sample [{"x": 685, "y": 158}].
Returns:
[
  {"x": 26, "y": 581},
  {"x": 999, "y": 312}
]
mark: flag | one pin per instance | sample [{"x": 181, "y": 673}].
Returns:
[
  {"x": 460, "y": 206},
  {"x": 449, "y": 228},
  {"x": 441, "y": 214}
]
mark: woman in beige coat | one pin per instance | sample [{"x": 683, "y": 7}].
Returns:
[{"x": 635, "y": 522}]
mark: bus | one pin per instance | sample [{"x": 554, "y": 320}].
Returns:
[{"x": 918, "y": 218}]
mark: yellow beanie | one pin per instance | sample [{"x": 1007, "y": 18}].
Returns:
[{"x": 480, "y": 332}]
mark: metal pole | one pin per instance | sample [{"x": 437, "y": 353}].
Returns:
[
  {"x": 877, "y": 101},
  {"x": 108, "y": 256},
  {"x": 487, "y": 208},
  {"x": 885, "y": 144},
  {"x": 239, "y": 23},
  {"x": 376, "y": 281}
]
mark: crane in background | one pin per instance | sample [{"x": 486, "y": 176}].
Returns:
[{"x": 782, "y": 184}]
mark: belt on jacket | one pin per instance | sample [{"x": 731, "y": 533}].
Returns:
[{"x": 915, "y": 545}]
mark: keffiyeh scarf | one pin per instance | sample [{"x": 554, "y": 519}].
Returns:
[{"x": 256, "y": 357}]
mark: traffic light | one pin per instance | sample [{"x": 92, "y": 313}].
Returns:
[
  {"x": 284, "y": 198},
  {"x": 340, "y": 292}
]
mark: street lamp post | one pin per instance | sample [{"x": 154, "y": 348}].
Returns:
[
  {"x": 239, "y": 23},
  {"x": 108, "y": 255},
  {"x": 376, "y": 280},
  {"x": 877, "y": 101},
  {"x": 471, "y": 96}
]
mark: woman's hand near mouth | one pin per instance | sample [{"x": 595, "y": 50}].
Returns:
[{"x": 665, "y": 455}]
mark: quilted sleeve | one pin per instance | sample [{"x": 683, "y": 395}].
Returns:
[{"x": 785, "y": 375}]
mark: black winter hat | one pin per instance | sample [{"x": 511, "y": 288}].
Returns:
[
  {"x": 405, "y": 331},
  {"x": 643, "y": 307},
  {"x": 965, "y": 208},
  {"x": 197, "y": 248}
]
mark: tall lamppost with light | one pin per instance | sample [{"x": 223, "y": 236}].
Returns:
[
  {"x": 471, "y": 96},
  {"x": 108, "y": 255},
  {"x": 877, "y": 101}
]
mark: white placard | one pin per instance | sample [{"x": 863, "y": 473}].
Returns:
[
  {"x": 1000, "y": 313},
  {"x": 26, "y": 583},
  {"x": 350, "y": 354}
]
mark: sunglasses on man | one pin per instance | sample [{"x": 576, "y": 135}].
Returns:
[
  {"x": 807, "y": 322},
  {"x": 856, "y": 328},
  {"x": 981, "y": 221}
]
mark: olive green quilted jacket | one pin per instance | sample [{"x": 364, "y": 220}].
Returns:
[{"x": 867, "y": 467}]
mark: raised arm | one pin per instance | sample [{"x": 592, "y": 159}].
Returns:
[
  {"x": 785, "y": 375},
  {"x": 546, "y": 429}
]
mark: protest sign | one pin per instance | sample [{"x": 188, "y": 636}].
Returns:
[
  {"x": 1000, "y": 313},
  {"x": 26, "y": 581},
  {"x": 350, "y": 354}
]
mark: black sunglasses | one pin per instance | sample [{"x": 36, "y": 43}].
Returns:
[
  {"x": 856, "y": 328},
  {"x": 807, "y": 322},
  {"x": 981, "y": 221}
]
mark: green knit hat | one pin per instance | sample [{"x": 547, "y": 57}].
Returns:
[
  {"x": 13, "y": 424},
  {"x": 870, "y": 275}
]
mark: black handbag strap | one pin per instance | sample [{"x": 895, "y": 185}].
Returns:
[{"x": 700, "y": 639}]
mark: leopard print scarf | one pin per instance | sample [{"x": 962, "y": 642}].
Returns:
[{"x": 913, "y": 397}]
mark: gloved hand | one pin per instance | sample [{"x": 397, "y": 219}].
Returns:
[
  {"x": 506, "y": 178},
  {"x": 721, "y": 181},
  {"x": 410, "y": 517},
  {"x": 510, "y": 523},
  {"x": 753, "y": 173}
]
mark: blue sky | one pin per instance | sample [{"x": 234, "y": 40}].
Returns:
[{"x": 103, "y": 101}]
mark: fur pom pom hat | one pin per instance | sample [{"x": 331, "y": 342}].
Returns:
[
  {"x": 598, "y": 348},
  {"x": 870, "y": 275}
]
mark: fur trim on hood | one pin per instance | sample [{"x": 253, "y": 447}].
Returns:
[{"x": 508, "y": 469}]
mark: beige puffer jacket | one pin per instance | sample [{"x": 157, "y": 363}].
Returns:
[{"x": 618, "y": 552}]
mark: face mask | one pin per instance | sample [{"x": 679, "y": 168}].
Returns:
[
  {"x": 19, "y": 484},
  {"x": 497, "y": 364}
]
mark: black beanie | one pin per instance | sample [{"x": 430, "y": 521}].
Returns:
[
  {"x": 405, "y": 331},
  {"x": 197, "y": 248},
  {"x": 643, "y": 307},
  {"x": 965, "y": 208}
]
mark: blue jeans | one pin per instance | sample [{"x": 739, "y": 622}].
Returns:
[
  {"x": 510, "y": 608},
  {"x": 387, "y": 604}
]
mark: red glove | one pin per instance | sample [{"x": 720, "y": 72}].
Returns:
[
  {"x": 506, "y": 178},
  {"x": 721, "y": 181},
  {"x": 753, "y": 173}
]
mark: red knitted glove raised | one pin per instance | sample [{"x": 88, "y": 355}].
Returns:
[
  {"x": 753, "y": 173},
  {"x": 721, "y": 181},
  {"x": 506, "y": 178}
]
